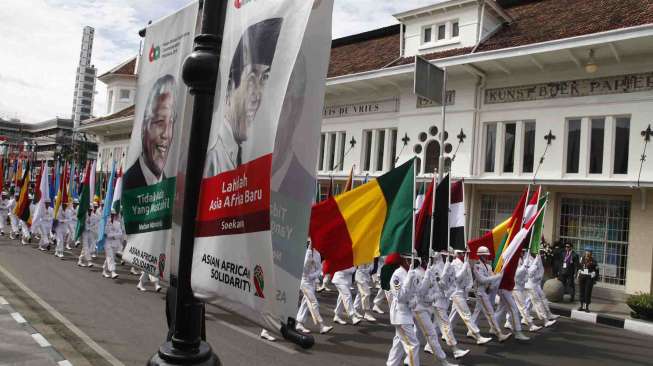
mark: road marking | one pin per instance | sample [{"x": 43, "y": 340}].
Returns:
[
  {"x": 57, "y": 315},
  {"x": 256, "y": 336},
  {"x": 40, "y": 339},
  {"x": 18, "y": 318},
  {"x": 3, "y": 301},
  {"x": 64, "y": 363}
]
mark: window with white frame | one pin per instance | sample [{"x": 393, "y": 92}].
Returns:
[
  {"x": 490, "y": 146},
  {"x": 332, "y": 151},
  {"x": 379, "y": 149},
  {"x": 124, "y": 94},
  {"x": 510, "y": 145},
  {"x": 440, "y": 32},
  {"x": 621, "y": 145}
]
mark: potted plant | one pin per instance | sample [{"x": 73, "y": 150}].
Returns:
[{"x": 641, "y": 305}]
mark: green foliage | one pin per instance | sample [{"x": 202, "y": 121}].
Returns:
[{"x": 642, "y": 305}]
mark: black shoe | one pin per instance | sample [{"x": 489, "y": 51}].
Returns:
[
  {"x": 581, "y": 308},
  {"x": 587, "y": 308}
]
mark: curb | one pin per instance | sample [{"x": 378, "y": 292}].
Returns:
[
  {"x": 636, "y": 326},
  {"x": 39, "y": 339}
]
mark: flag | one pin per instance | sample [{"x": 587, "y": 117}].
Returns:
[
  {"x": 423, "y": 224},
  {"x": 2, "y": 174},
  {"x": 441, "y": 216},
  {"x": 22, "y": 206},
  {"x": 510, "y": 256},
  {"x": 531, "y": 208},
  {"x": 516, "y": 222},
  {"x": 371, "y": 220},
  {"x": 62, "y": 192},
  {"x": 117, "y": 193},
  {"x": 457, "y": 216},
  {"x": 330, "y": 189},
  {"x": 42, "y": 194},
  {"x": 91, "y": 183},
  {"x": 84, "y": 202},
  {"x": 491, "y": 240},
  {"x": 536, "y": 234},
  {"x": 350, "y": 180},
  {"x": 108, "y": 200}
]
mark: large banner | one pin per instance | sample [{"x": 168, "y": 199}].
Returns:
[
  {"x": 259, "y": 181},
  {"x": 149, "y": 182}
]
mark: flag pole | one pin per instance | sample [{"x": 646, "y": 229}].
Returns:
[
  {"x": 432, "y": 214},
  {"x": 200, "y": 72},
  {"x": 412, "y": 236}
]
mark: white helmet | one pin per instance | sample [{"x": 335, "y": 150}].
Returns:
[{"x": 482, "y": 250}]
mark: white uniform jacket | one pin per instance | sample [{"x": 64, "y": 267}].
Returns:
[
  {"x": 402, "y": 286},
  {"x": 535, "y": 273},
  {"x": 484, "y": 276},
  {"x": 343, "y": 277},
  {"x": 363, "y": 274},
  {"x": 113, "y": 230},
  {"x": 312, "y": 267},
  {"x": 464, "y": 281}
]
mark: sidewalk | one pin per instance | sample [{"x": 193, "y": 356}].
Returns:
[
  {"x": 20, "y": 344},
  {"x": 608, "y": 307}
]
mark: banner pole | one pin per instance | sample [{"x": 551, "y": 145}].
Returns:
[{"x": 184, "y": 343}]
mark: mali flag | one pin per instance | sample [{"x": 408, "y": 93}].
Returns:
[
  {"x": 373, "y": 219},
  {"x": 515, "y": 225}
]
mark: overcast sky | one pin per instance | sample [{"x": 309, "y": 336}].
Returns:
[{"x": 40, "y": 42}]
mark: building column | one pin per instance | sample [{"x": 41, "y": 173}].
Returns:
[{"x": 639, "y": 268}]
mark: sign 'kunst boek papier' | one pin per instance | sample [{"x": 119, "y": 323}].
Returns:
[
  {"x": 151, "y": 168},
  {"x": 255, "y": 198}
]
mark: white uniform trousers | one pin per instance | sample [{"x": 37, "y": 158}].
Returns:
[
  {"x": 344, "y": 302},
  {"x": 507, "y": 304},
  {"x": 70, "y": 232},
  {"x": 460, "y": 308},
  {"x": 363, "y": 296},
  {"x": 3, "y": 221},
  {"x": 110, "y": 248},
  {"x": 13, "y": 220},
  {"x": 45, "y": 235},
  {"x": 426, "y": 331},
  {"x": 484, "y": 304},
  {"x": 94, "y": 235},
  {"x": 540, "y": 304},
  {"x": 442, "y": 320},
  {"x": 378, "y": 299},
  {"x": 522, "y": 301},
  {"x": 59, "y": 234},
  {"x": 87, "y": 242},
  {"x": 404, "y": 343},
  {"x": 148, "y": 277},
  {"x": 25, "y": 230},
  {"x": 308, "y": 305}
]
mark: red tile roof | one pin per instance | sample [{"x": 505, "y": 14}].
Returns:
[
  {"x": 534, "y": 21},
  {"x": 127, "y": 68}
]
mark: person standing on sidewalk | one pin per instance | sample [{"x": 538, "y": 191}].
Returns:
[
  {"x": 4, "y": 211},
  {"x": 567, "y": 269},
  {"x": 588, "y": 272}
]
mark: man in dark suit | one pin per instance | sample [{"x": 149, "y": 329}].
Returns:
[
  {"x": 157, "y": 131},
  {"x": 567, "y": 268}
]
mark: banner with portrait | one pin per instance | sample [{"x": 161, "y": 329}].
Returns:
[
  {"x": 259, "y": 183},
  {"x": 149, "y": 181}
]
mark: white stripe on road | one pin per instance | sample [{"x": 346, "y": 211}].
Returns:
[
  {"x": 57, "y": 315},
  {"x": 583, "y": 316},
  {"x": 257, "y": 337},
  {"x": 3, "y": 301},
  {"x": 18, "y": 318},
  {"x": 64, "y": 363},
  {"x": 41, "y": 340}
]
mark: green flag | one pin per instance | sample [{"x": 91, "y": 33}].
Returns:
[
  {"x": 398, "y": 187},
  {"x": 84, "y": 203},
  {"x": 536, "y": 235}
]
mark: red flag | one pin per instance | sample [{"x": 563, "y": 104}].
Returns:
[{"x": 423, "y": 223}]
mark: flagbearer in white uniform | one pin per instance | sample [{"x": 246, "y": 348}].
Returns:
[
  {"x": 507, "y": 305},
  {"x": 403, "y": 288},
  {"x": 381, "y": 294},
  {"x": 26, "y": 236},
  {"x": 484, "y": 280},
  {"x": 13, "y": 219},
  {"x": 45, "y": 226},
  {"x": 60, "y": 232},
  {"x": 463, "y": 283},
  {"x": 521, "y": 296},
  {"x": 4, "y": 211},
  {"x": 363, "y": 278},
  {"x": 534, "y": 289},
  {"x": 113, "y": 233},
  {"x": 344, "y": 304},
  {"x": 309, "y": 304},
  {"x": 95, "y": 228},
  {"x": 87, "y": 242},
  {"x": 426, "y": 293},
  {"x": 71, "y": 224}
]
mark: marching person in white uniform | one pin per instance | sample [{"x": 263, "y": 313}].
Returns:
[
  {"x": 426, "y": 294},
  {"x": 507, "y": 305},
  {"x": 113, "y": 232},
  {"x": 364, "y": 284},
  {"x": 485, "y": 279},
  {"x": 403, "y": 288},
  {"x": 4, "y": 212},
  {"x": 344, "y": 304},
  {"x": 381, "y": 294},
  {"x": 521, "y": 296},
  {"x": 26, "y": 236},
  {"x": 463, "y": 283},
  {"x": 95, "y": 228},
  {"x": 87, "y": 242},
  {"x": 533, "y": 287},
  {"x": 60, "y": 232},
  {"x": 45, "y": 226},
  {"x": 13, "y": 219},
  {"x": 71, "y": 223},
  {"x": 309, "y": 303}
]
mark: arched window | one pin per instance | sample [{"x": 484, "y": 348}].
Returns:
[
  {"x": 418, "y": 166},
  {"x": 432, "y": 156}
]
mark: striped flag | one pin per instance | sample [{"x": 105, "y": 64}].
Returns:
[
  {"x": 441, "y": 215},
  {"x": 516, "y": 223},
  {"x": 117, "y": 193},
  {"x": 536, "y": 234},
  {"x": 510, "y": 256},
  {"x": 423, "y": 224},
  {"x": 22, "y": 205},
  {"x": 457, "y": 216}
]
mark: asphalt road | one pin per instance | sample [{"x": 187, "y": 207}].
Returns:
[{"x": 130, "y": 325}]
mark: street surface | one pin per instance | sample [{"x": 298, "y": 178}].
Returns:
[{"x": 131, "y": 325}]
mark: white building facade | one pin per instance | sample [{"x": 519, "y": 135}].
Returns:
[{"x": 578, "y": 94}]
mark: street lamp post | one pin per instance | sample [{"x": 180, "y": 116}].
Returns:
[{"x": 200, "y": 72}]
